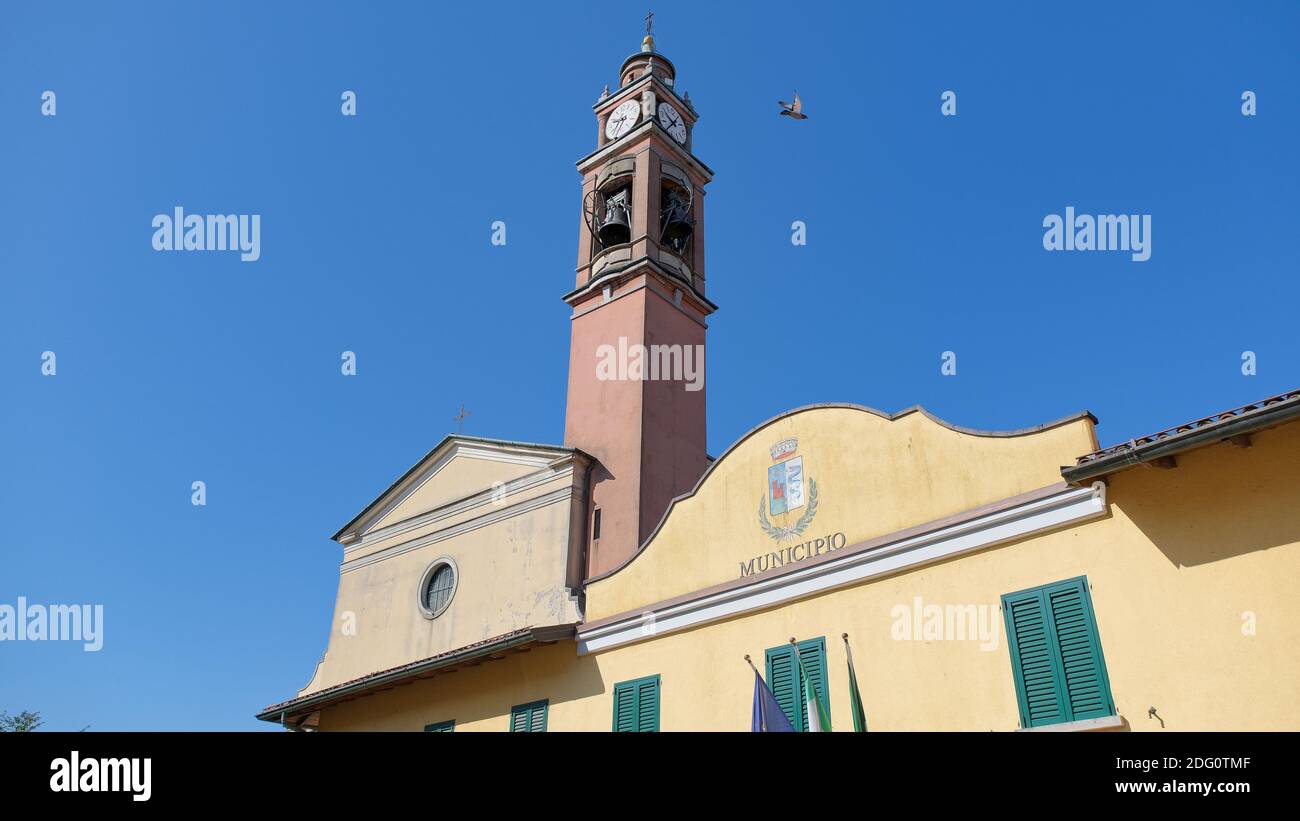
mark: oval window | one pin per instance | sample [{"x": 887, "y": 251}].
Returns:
[{"x": 437, "y": 587}]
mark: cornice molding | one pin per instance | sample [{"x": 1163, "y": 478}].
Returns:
[
  {"x": 635, "y": 87},
  {"x": 633, "y": 268},
  {"x": 849, "y": 566},
  {"x": 489, "y": 496},
  {"x": 509, "y": 512},
  {"x": 621, "y": 145}
]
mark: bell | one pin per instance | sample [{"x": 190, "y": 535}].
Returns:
[
  {"x": 677, "y": 226},
  {"x": 614, "y": 226},
  {"x": 677, "y": 231}
]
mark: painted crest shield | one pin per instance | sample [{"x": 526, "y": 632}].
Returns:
[
  {"x": 785, "y": 486},
  {"x": 785, "y": 494}
]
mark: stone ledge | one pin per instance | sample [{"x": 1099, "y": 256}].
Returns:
[{"x": 1084, "y": 726}]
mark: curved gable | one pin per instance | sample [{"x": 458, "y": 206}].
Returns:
[{"x": 850, "y": 473}]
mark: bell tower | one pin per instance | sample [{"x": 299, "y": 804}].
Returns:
[{"x": 636, "y": 359}]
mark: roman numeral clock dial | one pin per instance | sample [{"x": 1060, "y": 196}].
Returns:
[
  {"x": 672, "y": 122},
  {"x": 622, "y": 119}
]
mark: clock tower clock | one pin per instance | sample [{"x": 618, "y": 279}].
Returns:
[{"x": 636, "y": 361}]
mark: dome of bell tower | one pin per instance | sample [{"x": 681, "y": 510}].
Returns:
[{"x": 647, "y": 60}]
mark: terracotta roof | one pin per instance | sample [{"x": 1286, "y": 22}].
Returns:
[
  {"x": 1206, "y": 430},
  {"x": 476, "y": 653}
]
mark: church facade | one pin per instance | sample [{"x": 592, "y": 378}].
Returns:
[{"x": 977, "y": 580}]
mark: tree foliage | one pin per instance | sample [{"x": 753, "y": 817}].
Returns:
[{"x": 24, "y": 722}]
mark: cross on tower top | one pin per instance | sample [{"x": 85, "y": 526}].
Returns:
[
  {"x": 648, "y": 42},
  {"x": 459, "y": 418}
]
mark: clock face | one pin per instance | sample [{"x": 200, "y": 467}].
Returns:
[
  {"x": 672, "y": 122},
  {"x": 622, "y": 119}
]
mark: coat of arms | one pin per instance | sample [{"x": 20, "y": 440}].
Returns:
[{"x": 785, "y": 495}]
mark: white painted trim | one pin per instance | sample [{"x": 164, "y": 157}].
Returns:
[
  {"x": 564, "y": 494},
  {"x": 1083, "y": 726},
  {"x": 473, "y": 450},
  {"x": 489, "y": 496},
  {"x": 1070, "y": 506},
  {"x": 608, "y": 297}
]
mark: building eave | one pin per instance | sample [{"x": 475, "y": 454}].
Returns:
[
  {"x": 515, "y": 641},
  {"x": 1161, "y": 446},
  {"x": 628, "y": 91},
  {"x": 631, "y": 269}
]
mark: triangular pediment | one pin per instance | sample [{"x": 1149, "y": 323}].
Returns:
[{"x": 458, "y": 468}]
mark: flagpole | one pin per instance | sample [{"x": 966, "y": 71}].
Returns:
[
  {"x": 802, "y": 679},
  {"x": 855, "y": 696}
]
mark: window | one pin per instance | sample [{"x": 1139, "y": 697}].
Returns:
[
  {"x": 783, "y": 678},
  {"x": 437, "y": 586},
  {"x": 528, "y": 718},
  {"x": 441, "y": 727},
  {"x": 595, "y": 526},
  {"x": 1056, "y": 654},
  {"x": 636, "y": 706}
]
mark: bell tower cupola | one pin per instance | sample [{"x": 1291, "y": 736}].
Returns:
[{"x": 636, "y": 362}]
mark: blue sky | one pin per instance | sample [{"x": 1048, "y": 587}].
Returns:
[{"x": 924, "y": 235}]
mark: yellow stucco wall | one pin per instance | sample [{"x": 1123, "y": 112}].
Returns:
[
  {"x": 510, "y": 556},
  {"x": 1179, "y": 570},
  {"x": 874, "y": 476}
]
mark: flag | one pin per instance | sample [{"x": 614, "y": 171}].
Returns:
[
  {"x": 855, "y": 698},
  {"x": 768, "y": 716},
  {"x": 819, "y": 719}
]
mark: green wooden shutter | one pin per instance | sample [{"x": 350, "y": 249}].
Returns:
[
  {"x": 814, "y": 665},
  {"x": 648, "y": 706},
  {"x": 783, "y": 678},
  {"x": 528, "y": 718},
  {"x": 1038, "y": 686},
  {"x": 1056, "y": 657},
  {"x": 1087, "y": 688},
  {"x": 518, "y": 720},
  {"x": 636, "y": 706},
  {"x": 625, "y": 707},
  {"x": 441, "y": 727}
]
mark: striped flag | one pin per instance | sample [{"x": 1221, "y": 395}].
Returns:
[
  {"x": 819, "y": 719},
  {"x": 855, "y": 698}
]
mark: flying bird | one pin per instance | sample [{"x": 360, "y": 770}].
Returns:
[{"x": 794, "y": 109}]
